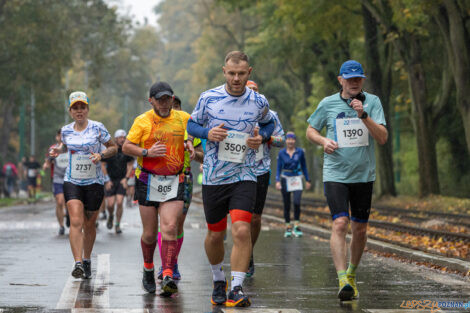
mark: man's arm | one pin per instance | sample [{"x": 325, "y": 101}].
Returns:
[
  {"x": 377, "y": 131},
  {"x": 313, "y": 135}
]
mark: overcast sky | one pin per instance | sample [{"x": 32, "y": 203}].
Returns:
[{"x": 138, "y": 9}]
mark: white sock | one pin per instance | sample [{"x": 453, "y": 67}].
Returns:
[
  {"x": 237, "y": 279},
  {"x": 218, "y": 272}
]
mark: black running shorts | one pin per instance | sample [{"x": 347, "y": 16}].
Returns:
[
  {"x": 219, "y": 200},
  {"x": 262, "y": 185},
  {"x": 90, "y": 195},
  {"x": 116, "y": 189},
  {"x": 357, "y": 195},
  {"x": 141, "y": 194}
]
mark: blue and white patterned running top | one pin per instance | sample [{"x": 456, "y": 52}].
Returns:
[
  {"x": 264, "y": 165},
  {"x": 85, "y": 142},
  {"x": 238, "y": 113}
]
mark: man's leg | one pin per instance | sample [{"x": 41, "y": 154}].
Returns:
[
  {"x": 338, "y": 242},
  {"x": 119, "y": 211},
  {"x": 59, "y": 209},
  {"x": 170, "y": 213},
  {"x": 110, "y": 201},
  {"x": 148, "y": 243},
  {"x": 241, "y": 250},
  {"x": 338, "y": 197}
]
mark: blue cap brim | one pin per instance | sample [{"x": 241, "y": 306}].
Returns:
[{"x": 348, "y": 76}]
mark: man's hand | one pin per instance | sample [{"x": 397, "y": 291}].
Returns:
[
  {"x": 157, "y": 150},
  {"x": 217, "y": 133},
  {"x": 124, "y": 182},
  {"x": 188, "y": 146},
  {"x": 329, "y": 146},
  {"x": 278, "y": 185},
  {"x": 357, "y": 106},
  {"x": 255, "y": 141}
]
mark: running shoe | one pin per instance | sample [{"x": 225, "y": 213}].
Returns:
[
  {"x": 168, "y": 287},
  {"x": 297, "y": 232},
  {"x": 346, "y": 291},
  {"x": 103, "y": 215},
  {"x": 61, "y": 230},
  {"x": 67, "y": 219},
  {"x": 251, "y": 268},
  {"x": 78, "y": 271},
  {"x": 148, "y": 281},
  {"x": 176, "y": 272},
  {"x": 109, "y": 224},
  {"x": 352, "y": 282},
  {"x": 288, "y": 233},
  {"x": 236, "y": 298},
  {"x": 160, "y": 273},
  {"x": 118, "y": 229},
  {"x": 219, "y": 293},
  {"x": 87, "y": 269}
]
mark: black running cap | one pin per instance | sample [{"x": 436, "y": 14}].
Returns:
[{"x": 160, "y": 89}]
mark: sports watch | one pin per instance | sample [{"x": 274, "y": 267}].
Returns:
[
  {"x": 364, "y": 115},
  {"x": 145, "y": 152}
]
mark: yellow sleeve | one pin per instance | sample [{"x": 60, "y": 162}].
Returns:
[{"x": 136, "y": 132}]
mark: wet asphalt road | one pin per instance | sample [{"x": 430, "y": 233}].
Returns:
[{"x": 295, "y": 274}]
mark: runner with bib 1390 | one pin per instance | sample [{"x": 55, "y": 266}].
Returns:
[
  {"x": 228, "y": 117},
  {"x": 290, "y": 166},
  {"x": 83, "y": 181},
  {"x": 354, "y": 120}
]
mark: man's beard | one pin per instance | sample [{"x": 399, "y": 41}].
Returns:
[{"x": 162, "y": 115}]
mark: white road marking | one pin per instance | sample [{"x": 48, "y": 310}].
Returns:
[
  {"x": 195, "y": 225},
  {"x": 110, "y": 311},
  {"x": 28, "y": 225},
  {"x": 101, "y": 283},
  {"x": 69, "y": 294}
]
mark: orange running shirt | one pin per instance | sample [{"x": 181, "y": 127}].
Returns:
[{"x": 149, "y": 128}]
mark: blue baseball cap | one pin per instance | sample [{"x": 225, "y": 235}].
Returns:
[{"x": 351, "y": 69}]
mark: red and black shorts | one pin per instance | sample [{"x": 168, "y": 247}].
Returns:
[{"x": 219, "y": 200}]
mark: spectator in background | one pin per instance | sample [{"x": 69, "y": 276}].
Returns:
[{"x": 10, "y": 173}]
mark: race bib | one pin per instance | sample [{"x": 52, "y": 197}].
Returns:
[
  {"x": 62, "y": 160},
  {"x": 260, "y": 153},
  {"x": 82, "y": 167},
  {"x": 294, "y": 183},
  {"x": 351, "y": 132},
  {"x": 162, "y": 188},
  {"x": 233, "y": 148},
  {"x": 32, "y": 172}
]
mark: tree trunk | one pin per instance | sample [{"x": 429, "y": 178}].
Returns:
[
  {"x": 379, "y": 80},
  {"x": 7, "y": 118},
  {"x": 423, "y": 118},
  {"x": 456, "y": 34}
]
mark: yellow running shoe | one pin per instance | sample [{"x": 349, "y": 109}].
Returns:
[
  {"x": 352, "y": 282},
  {"x": 346, "y": 291}
]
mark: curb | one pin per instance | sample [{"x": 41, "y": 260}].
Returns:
[{"x": 415, "y": 255}]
